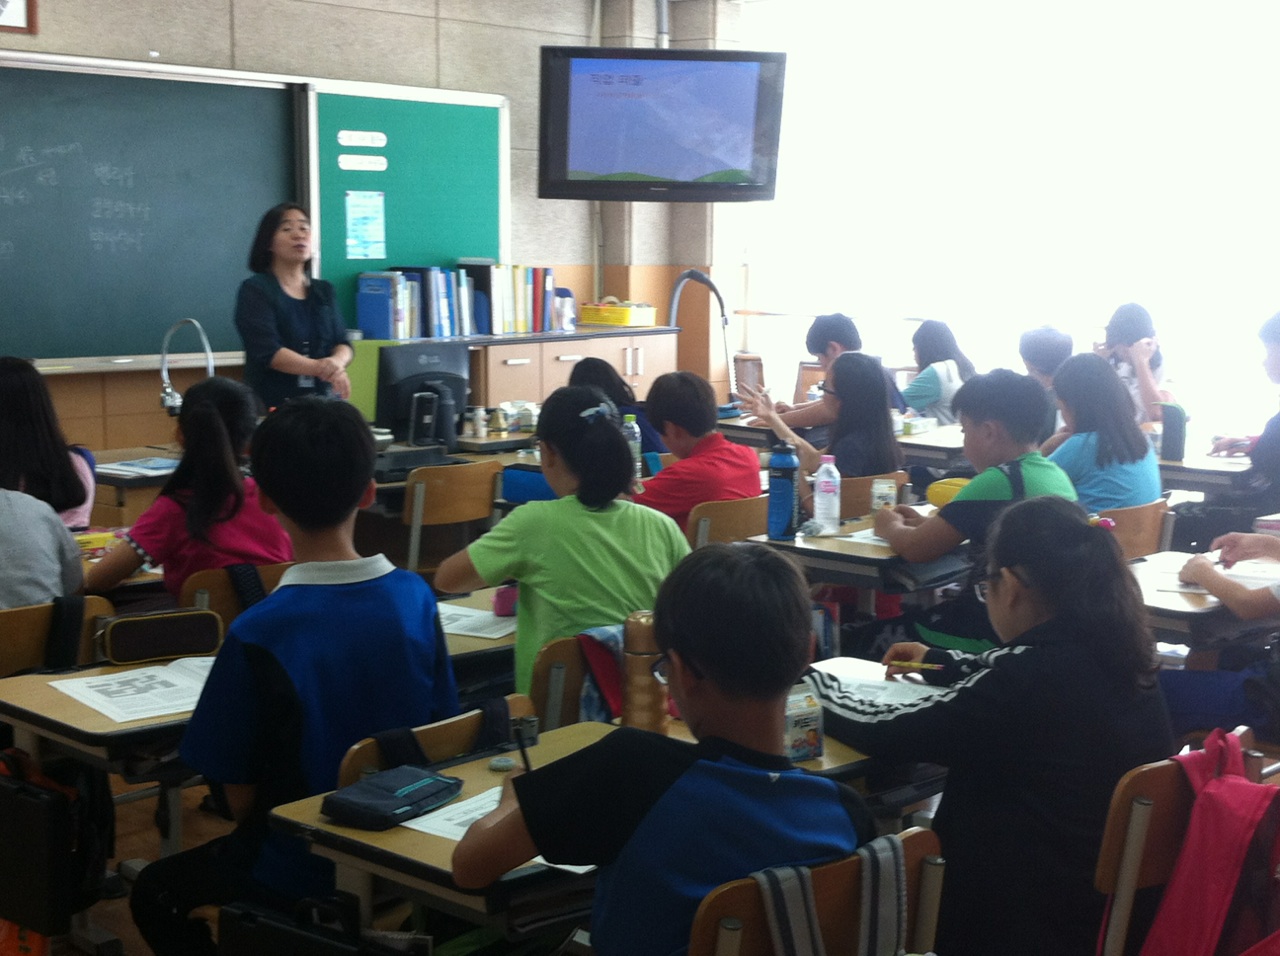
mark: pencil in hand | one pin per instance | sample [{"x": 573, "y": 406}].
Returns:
[{"x": 915, "y": 665}]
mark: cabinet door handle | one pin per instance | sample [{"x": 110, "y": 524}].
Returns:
[
  {"x": 568, "y": 358},
  {"x": 639, "y": 359},
  {"x": 626, "y": 352},
  {"x": 516, "y": 361}
]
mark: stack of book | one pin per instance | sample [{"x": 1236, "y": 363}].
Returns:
[{"x": 478, "y": 297}]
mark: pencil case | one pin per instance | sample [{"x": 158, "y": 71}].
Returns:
[
  {"x": 160, "y": 635},
  {"x": 389, "y": 797}
]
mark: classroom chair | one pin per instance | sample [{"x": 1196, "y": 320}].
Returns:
[
  {"x": 734, "y": 520},
  {"x": 215, "y": 589},
  {"x": 808, "y": 375},
  {"x": 1146, "y": 822},
  {"x": 439, "y": 495},
  {"x": 442, "y": 740},
  {"x": 1142, "y": 529},
  {"x": 560, "y": 669},
  {"x": 25, "y": 633},
  {"x": 748, "y": 369},
  {"x": 731, "y": 918},
  {"x": 855, "y": 493}
]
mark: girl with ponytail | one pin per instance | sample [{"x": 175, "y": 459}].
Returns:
[
  {"x": 1034, "y": 734},
  {"x": 207, "y": 514},
  {"x": 588, "y": 558}
]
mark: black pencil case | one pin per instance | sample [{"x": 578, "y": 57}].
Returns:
[{"x": 389, "y": 797}]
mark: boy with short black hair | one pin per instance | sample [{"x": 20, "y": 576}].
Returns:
[
  {"x": 1001, "y": 414},
  {"x": 345, "y": 647},
  {"x": 667, "y": 821},
  {"x": 682, "y": 408}
]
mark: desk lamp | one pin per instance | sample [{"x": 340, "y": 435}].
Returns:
[
  {"x": 704, "y": 279},
  {"x": 170, "y": 399}
]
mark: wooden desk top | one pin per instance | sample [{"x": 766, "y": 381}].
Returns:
[
  {"x": 944, "y": 437},
  {"x": 461, "y": 645},
  {"x": 409, "y": 855},
  {"x": 862, "y": 552},
  {"x": 29, "y": 701},
  {"x": 1157, "y": 576}
]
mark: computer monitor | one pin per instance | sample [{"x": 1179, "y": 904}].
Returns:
[{"x": 423, "y": 390}]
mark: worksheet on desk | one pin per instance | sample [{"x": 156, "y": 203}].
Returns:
[
  {"x": 142, "y": 692},
  {"x": 474, "y": 622},
  {"x": 865, "y": 679}
]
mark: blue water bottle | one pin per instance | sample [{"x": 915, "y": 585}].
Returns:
[{"x": 783, "y": 467}]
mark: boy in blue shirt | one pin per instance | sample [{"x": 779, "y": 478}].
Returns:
[
  {"x": 343, "y": 648},
  {"x": 667, "y": 821}
]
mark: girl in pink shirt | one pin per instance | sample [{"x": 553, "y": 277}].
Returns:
[{"x": 207, "y": 515}]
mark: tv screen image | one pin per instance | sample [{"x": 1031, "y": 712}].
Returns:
[{"x": 659, "y": 125}]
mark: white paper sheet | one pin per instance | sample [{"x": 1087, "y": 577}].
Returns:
[
  {"x": 142, "y": 692},
  {"x": 473, "y": 622},
  {"x": 865, "y": 679}
]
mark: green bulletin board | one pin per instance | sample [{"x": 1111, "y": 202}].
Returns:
[{"x": 444, "y": 185}]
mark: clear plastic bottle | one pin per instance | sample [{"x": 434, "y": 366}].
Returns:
[
  {"x": 826, "y": 495},
  {"x": 631, "y": 431}
]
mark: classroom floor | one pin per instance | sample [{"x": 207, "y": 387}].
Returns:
[{"x": 137, "y": 837}]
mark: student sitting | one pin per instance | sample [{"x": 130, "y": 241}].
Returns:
[
  {"x": 829, "y": 337},
  {"x": 1134, "y": 353},
  {"x": 667, "y": 821},
  {"x": 1244, "y": 602},
  {"x": 943, "y": 369},
  {"x": 207, "y": 515},
  {"x": 598, "y": 372},
  {"x": 1043, "y": 351},
  {"x": 39, "y": 560},
  {"x": 586, "y": 559},
  {"x": 344, "y": 647},
  {"x": 1000, "y": 414},
  {"x": 34, "y": 456},
  {"x": 1105, "y": 454},
  {"x": 1034, "y": 734},
  {"x": 1255, "y": 491},
  {"x": 862, "y": 439},
  {"x": 708, "y": 467}
]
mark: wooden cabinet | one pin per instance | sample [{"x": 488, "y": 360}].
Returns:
[{"x": 533, "y": 368}]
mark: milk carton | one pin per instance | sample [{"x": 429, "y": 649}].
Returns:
[{"x": 803, "y": 733}]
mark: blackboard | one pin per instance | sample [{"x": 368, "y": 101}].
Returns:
[
  {"x": 440, "y": 169},
  {"x": 127, "y": 203}
]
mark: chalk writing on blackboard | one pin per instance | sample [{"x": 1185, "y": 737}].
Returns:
[
  {"x": 104, "y": 208},
  {"x": 110, "y": 175},
  {"x": 116, "y": 240}
]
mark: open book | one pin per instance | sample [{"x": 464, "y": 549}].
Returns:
[{"x": 141, "y": 692}]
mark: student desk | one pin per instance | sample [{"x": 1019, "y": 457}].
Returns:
[
  {"x": 869, "y": 566},
  {"x": 739, "y": 432},
  {"x": 420, "y": 864},
  {"x": 1187, "y": 617},
  {"x": 482, "y": 667},
  {"x": 1207, "y": 474},
  {"x": 118, "y": 502},
  {"x": 943, "y": 447}
]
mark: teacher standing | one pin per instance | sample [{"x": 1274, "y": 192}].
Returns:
[{"x": 295, "y": 342}]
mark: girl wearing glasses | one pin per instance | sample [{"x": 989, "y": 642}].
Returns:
[{"x": 1035, "y": 733}]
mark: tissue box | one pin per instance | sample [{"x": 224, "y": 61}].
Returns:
[
  {"x": 803, "y": 733},
  {"x": 625, "y": 314}
]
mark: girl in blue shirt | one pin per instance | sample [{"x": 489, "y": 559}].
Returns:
[{"x": 1106, "y": 455}]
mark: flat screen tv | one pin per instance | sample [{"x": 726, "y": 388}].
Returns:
[
  {"x": 424, "y": 368},
  {"x": 650, "y": 125}
]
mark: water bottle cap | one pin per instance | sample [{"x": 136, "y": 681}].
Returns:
[
  {"x": 628, "y": 418},
  {"x": 828, "y": 459}
]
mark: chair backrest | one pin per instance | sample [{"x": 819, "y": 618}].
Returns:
[
  {"x": 213, "y": 589},
  {"x": 24, "y": 631},
  {"x": 748, "y": 369},
  {"x": 734, "y": 520},
  {"x": 1142, "y": 529},
  {"x": 560, "y": 669},
  {"x": 855, "y": 493},
  {"x": 1146, "y": 822},
  {"x": 443, "y": 740},
  {"x": 808, "y": 375},
  {"x": 447, "y": 495},
  {"x": 837, "y": 890}
]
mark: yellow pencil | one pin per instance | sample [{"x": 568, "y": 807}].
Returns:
[{"x": 915, "y": 665}]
